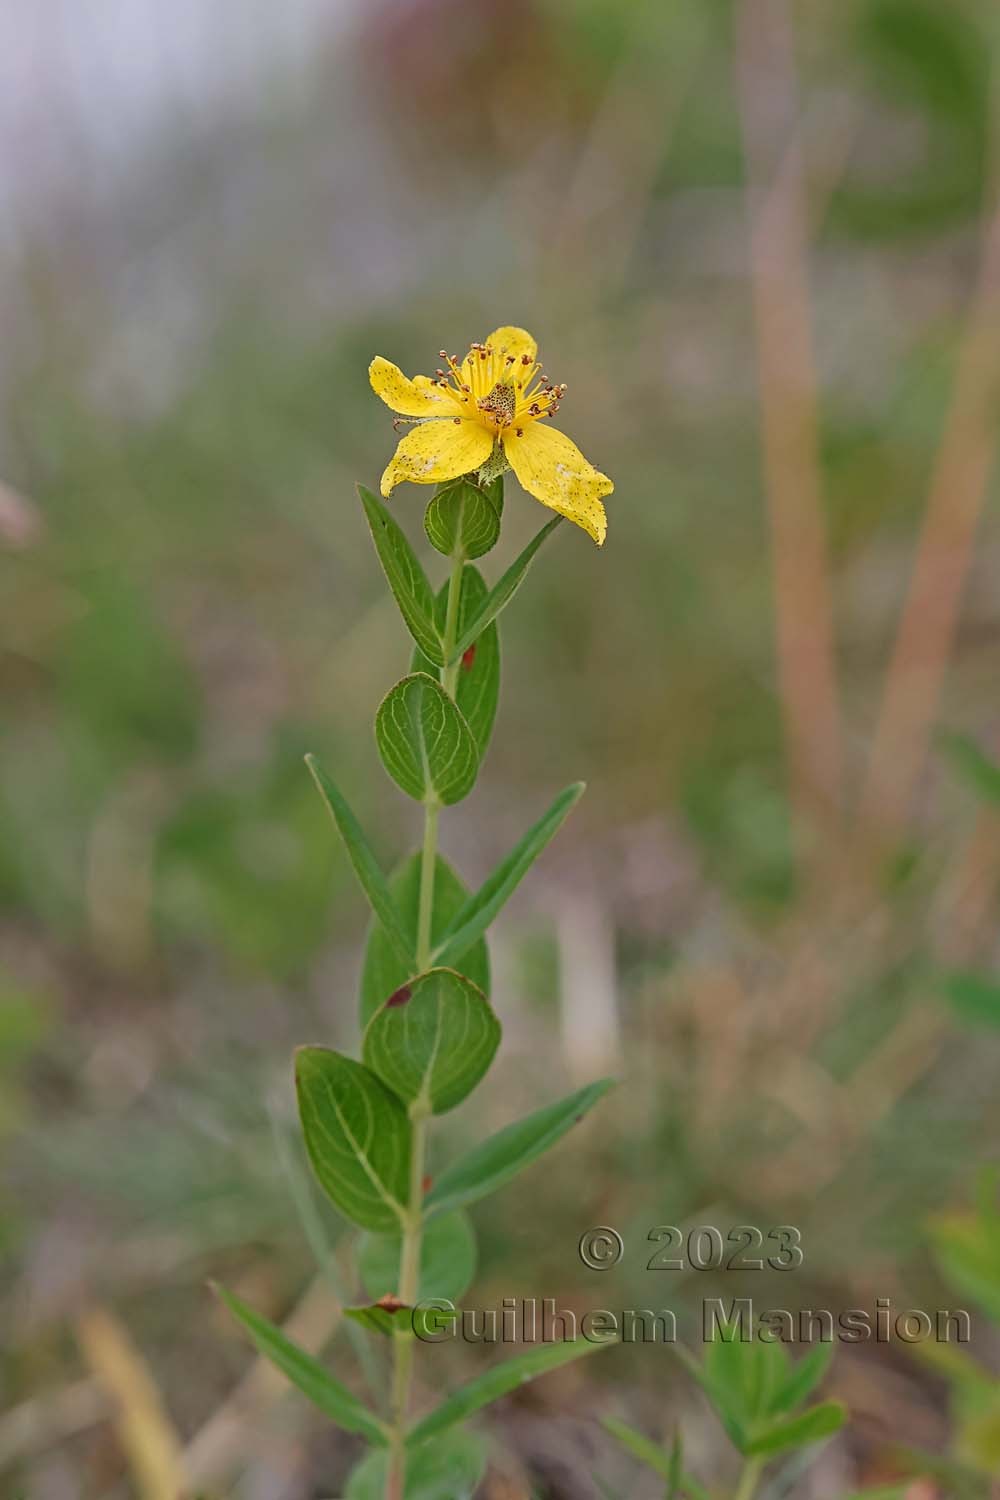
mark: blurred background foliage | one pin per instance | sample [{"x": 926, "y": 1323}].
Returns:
[{"x": 214, "y": 217}]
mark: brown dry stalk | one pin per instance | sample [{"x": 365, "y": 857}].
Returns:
[
  {"x": 146, "y": 1434},
  {"x": 779, "y": 210},
  {"x": 929, "y": 622}
]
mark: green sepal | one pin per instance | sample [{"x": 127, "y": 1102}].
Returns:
[
  {"x": 383, "y": 970},
  {"x": 405, "y": 576},
  {"x": 426, "y": 746},
  {"x": 464, "y": 517},
  {"x": 306, "y": 1373},
  {"x": 432, "y": 1040},
  {"x": 358, "y": 1137}
]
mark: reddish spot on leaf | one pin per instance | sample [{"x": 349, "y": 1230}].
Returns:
[
  {"x": 390, "y": 1303},
  {"x": 468, "y": 657},
  {"x": 426, "y": 1184},
  {"x": 400, "y": 996}
]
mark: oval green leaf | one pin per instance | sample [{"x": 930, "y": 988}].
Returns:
[
  {"x": 477, "y": 686},
  {"x": 464, "y": 517},
  {"x": 448, "y": 1470},
  {"x": 384, "y": 970},
  {"x": 432, "y": 1040},
  {"x": 447, "y": 1260},
  {"x": 426, "y": 746},
  {"x": 358, "y": 1137}
]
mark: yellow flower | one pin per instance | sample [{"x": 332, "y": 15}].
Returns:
[{"x": 494, "y": 400}]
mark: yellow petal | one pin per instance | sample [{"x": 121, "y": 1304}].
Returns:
[
  {"x": 516, "y": 341},
  {"x": 411, "y": 398},
  {"x": 552, "y": 468},
  {"x": 438, "y": 450}
]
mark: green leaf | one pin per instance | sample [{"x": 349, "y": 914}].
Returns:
[
  {"x": 477, "y": 687},
  {"x": 495, "y": 1161},
  {"x": 967, "y": 1249},
  {"x": 640, "y": 1447},
  {"x": 377, "y": 1319},
  {"x": 464, "y": 517},
  {"x": 406, "y": 577},
  {"x": 447, "y": 1260},
  {"x": 400, "y": 1321},
  {"x": 449, "y": 1469},
  {"x": 668, "y": 1465},
  {"x": 503, "y": 592},
  {"x": 802, "y": 1379},
  {"x": 974, "y": 998},
  {"x": 366, "y": 866},
  {"x": 493, "y": 1384},
  {"x": 305, "y": 1372},
  {"x": 426, "y": 746},
  {"x": 383, "y": 971},
  {"x": 979, "y": 771},
  {"x": 357, "y": 1135},
  {"x": 478, "y": 912},
  {"x": 798, "y": 1432},
  {"x": 433, "y": 1040}
]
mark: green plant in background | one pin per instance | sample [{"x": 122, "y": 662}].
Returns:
[
  {"x": 966, "y": 1246},
  {"x": 760, "y": 1397},
  {"x": 429, "y": 1031}
]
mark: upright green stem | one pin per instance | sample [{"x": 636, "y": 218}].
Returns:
[
  {"x": 749, "y": 1479},
  {"x": 409, "y": 1265},
  {"x": 450, "y": 674}
]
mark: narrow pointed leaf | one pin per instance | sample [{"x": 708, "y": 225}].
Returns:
[
  {"x": 426, "y": 746},
  {"x": 406, "y": 577},
  {"x": 670, "y": 1466},
  {"x": 495, "y": 1161},
  {"x": 477, "y": 687},
  {"x": 357, "y": 1135},
  {"x": 432, "y": 1040},
  {"x": 640, "y": 1446},
  {"x": 496, "y": 1382},
  {"x": 478, "y": 912},
  {"x": 798, "y": 1432},
  {"x": 802, "y": 1379},
  {"x": 384, "y": 971},
  {"x": 503, "y": 592},
  {"x": 305, "y": 1372},
  {"x": 366, "y": 866}
]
